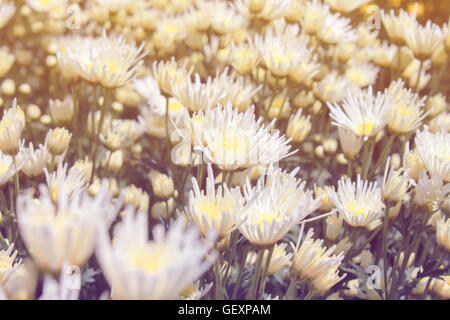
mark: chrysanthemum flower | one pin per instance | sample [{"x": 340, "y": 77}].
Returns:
[
  {"x": 396, "y": 183},
  {"x": 350, "y": 142},
  {"x": 11, "y": 126},
  {"x": 281, "y": 52},
  {"x": 423, "y": 40},
  {"x": 64, "y": 46},
  {"x": 274, "y": 206},
  {"x": 298, "y": 127},
  {"x": 33, "y": 161},
  {"x": 7, "y": 60},
  {"x": 314, "y": 15},
  {"x": 107, "y": 60},
  {"x": 7, "y": 10},
  {"x": 336, "y": 30},
  {"x": 431, "y": 191},
  {"x": 168, "y": 75},
  {"x": 345, "y": 6},
  {"x": 194, "y": 292},
  {"x": 316, "y": 264},
  {"x": 280, "y": 258},
  {"x": 216, "y": 210},
  {"x": 61, "y": 111},
  {"x": 406, "y": 113},
  {"x": 365, "y": 114},
  {"x": 434, "y": 150},
  {"x": 65, "y": 229},
  {"x": 396, "y": 25},
  {"x": 234, "y": 140},
  {"x": 46, "y": 5},
  {"x": 333, "y": 88},
  {"x": 138, "y": 268},
  {"x": 226, "y": 18},
  {"x": 8, "y": 263},
  {"x": 443, "y": 233},
  {"x": 71, "y": 181},
  {"x": 362, "y": 74},
  {"x": 360, "y": 203},
  {"x": 7, "y": 168}
]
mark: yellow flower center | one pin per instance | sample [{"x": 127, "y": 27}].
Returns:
[
  {"x": 365, "y": 128},
  {"x": 4, "y": 167},
  {"x": 214, "y": 208},
  {"x": 358, "y": 209},
  {"x": 149, "y": 259}
]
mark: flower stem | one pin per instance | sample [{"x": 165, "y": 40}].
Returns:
[
  {"x": 291, "y": 288},
  {"x": 252, "y": 293},
  {"x": 265, "y": 272}
]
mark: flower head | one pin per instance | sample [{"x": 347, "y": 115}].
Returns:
[
  {"x": 138, "y": 268},
  {"x": 360, "y": 203}
]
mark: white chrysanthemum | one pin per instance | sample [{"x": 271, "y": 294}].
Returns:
[
  {"x": 346, "y": 6},
  {"x": 406, "y": 113},
  {"x": 64, "y": 289},
  {"x": 396, "y": 183},
  {"x": 7, "y": 60},
  {"x": 64, "y": 46},
  {"x": 268, "y": 10},
  {"x": 280, "y": 258},
  {"x": 333, "y": 88},
  {"x": 336, "y": 30},
  {"x": 411, "y": 73},
  {"x": 194, "y": 291},
  {"x": 274, "y": 206},
  {"x": 71, "y": 181},
  {"x": 365, "y": 114},
  {"x": 114, "y": 5},
  {"x": 298, "y": 126},
  {"x": 440, "y": 123},
  {"x": 384, "y": 54},
  {"x": 434, "y": 150},
  {"x": 397, "y": 25},
  {"x": 8, "y": 263},
  {"x": 362, "y": 74},
  {"x": 11, "y": 126},
  {"x": 138, "y": 268},
  {"x": 216, "y": 210},
  {"x": 316, "y": 264},
  {"x": 360, "y": 203},
  {"x": 350, "y": 142},
  {"x": 443, "y": 233},
  {"x": 107, "y": 60},
  {"x": 234, "y": 140},
  {"x": 424, "y": 40},
  {"x": 315, "y": 13},
  {"x": 413, "y": 162},
  {"x": 65, "y": 229},
  {"x": 7, "y": 10},
  {"x": 61, "y": 111},
  {"x": 7, "y": 168},
  {"x": 282, "y": 52},
  {"x": 431, "y": 191},
  {"x": 239, "y": 91},
  {"x": 168, "y": 75},
  {"x": 196, "y": 95},
  {"x": 33, "y": 161},
  {"x": 46, "y": 5},
  {"x": 226, "y": 18}
]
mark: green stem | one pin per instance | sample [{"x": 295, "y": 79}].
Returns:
[
  {"x": 218, "y": 277},
  {"x": 265, "y": 272},
  {"x": 240, "y": 273},
  {"x": 291, "y": 288},
  {"x": 383, "y": 155},
  {"x": 367, "y": 159},
  {"x": 418, "y": 76},
  {"x": 252, "y": 293},
  {"x": 385, "y": 256}
]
